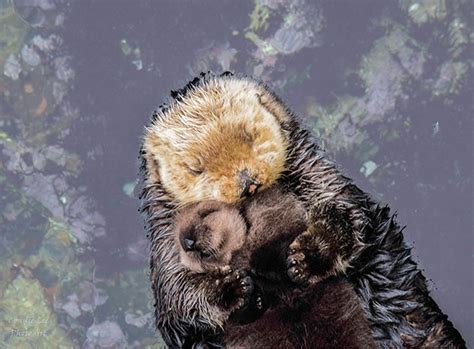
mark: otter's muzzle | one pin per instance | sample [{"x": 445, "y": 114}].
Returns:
[{"x": 248, "y": 184}]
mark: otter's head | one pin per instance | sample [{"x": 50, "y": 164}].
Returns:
[
  {"x": 207, "y": 234},
  {"x": 221, "y": 141}
]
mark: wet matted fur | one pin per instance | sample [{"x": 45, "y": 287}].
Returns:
[{"x": 392, "y": 290}]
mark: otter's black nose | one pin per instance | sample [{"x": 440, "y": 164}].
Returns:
[
  {"x": 249, "y": 184},
  {"x": 188, "y": 244}
]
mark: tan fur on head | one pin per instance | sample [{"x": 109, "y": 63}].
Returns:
[
  {"x": 216, "y": 229},
  {"x": 199, "y": 145}
]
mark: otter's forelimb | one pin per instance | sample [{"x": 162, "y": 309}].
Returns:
[{"x": 323, "y": 249}]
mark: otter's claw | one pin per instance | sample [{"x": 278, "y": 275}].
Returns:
[
  {"x": 298, "y": 270},
  {"x": 238, "y": 289},
  {"x": 297, "y": 259}
]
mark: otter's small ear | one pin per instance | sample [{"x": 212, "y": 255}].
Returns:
[
  {"x": 152, "y": 167},
  {"x": 274, "y": 106}
]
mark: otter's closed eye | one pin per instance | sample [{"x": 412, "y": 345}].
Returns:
[
  {"x": 195, "y": 169},
  {"x": 205, "y": 254},
  {"x": 247, "y": 136}
]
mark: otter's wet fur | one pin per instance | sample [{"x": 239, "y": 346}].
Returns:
[
  {"x": 212, "y": 238},
  {"x": 392, "y": 289}
]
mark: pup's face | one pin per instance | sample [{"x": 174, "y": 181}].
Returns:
[
  {"x": 220, "y": 143},
  {"x": 207, "y": 234}
]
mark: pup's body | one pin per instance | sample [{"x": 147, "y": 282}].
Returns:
[
  {"x": 222, "y": 138},
  {"x": 212, "y": 239}
]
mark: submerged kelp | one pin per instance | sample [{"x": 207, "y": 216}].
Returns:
[{"x": 387, "y": 87}]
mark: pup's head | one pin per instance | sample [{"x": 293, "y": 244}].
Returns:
[
  {"x": 207, "y": 234},
  {"x": 221, "y": 141}
]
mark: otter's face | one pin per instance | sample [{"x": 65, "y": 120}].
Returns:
[
  {"x": 207, "y": 234},
  {"x": 222, "y": 144},
  {"x": 230, "y": 161}
]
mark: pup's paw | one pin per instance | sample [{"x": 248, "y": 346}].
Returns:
[{"x": 238, "y": 288}]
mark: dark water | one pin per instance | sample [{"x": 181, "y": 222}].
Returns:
[{"x": 387, "y": 86}]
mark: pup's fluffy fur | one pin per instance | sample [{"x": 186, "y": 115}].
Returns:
[
  {"x": 213, "y": 237},
  {"x": 393, "y": 291},
  {"x": 215, "y": 230}
]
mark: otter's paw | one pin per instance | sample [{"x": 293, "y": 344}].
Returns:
[
  {"x": 304, "y": 258},
  {"x": 298, "y": 269},
  {"x": 238, "y": 288}
]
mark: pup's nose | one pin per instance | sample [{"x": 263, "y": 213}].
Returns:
[
  {"x": 188, "y": 244},
  {"x": 249, "y": 184}
]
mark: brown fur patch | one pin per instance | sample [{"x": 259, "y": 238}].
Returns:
[{"x": 327, "y": 315}]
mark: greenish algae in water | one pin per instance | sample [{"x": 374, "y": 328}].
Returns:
[{"x": 26, "y": 319}]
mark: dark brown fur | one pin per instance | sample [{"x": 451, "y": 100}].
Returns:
[{"x": 326, "y": 315}]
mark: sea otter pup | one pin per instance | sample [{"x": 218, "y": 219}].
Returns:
[
  {"x": 213, "y": 235},
  {"x": 224, "y": 138},
  {"x": 213, "y": 238}
]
